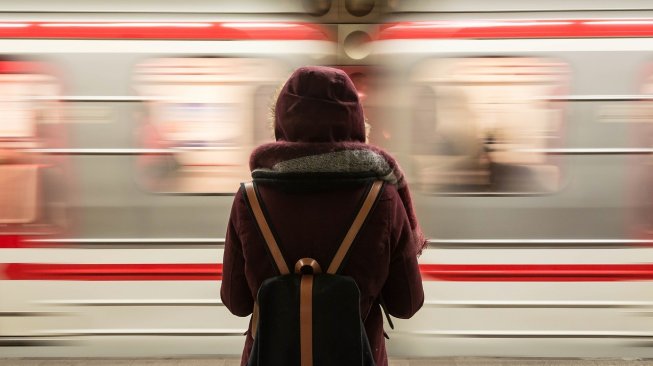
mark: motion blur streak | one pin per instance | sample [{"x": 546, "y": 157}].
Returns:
[
  {"x": 113, "y": 272},
  {"x": 536, "y": 28},
  {"x": 430, "y": 272},
  {"x": 524, "y": 128},
  {"x": 158, "y": 30}
]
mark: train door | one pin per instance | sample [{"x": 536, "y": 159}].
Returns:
[
  {"x": 206, "y": 114},
  {"x": 482, "y": 124},
  {"x": 641, "y": 185},
  {"x": 32, "y": 199}
]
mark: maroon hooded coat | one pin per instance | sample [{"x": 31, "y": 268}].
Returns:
[{"x": 311, "y": 182}]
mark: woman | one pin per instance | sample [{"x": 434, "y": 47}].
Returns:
[{"x": 311, "y": 181}]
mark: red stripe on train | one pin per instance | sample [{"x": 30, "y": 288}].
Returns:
[
  {"x": 114, "y": 272},
  {"x": 537, "y": 272},
  {"x": 430, "y": 272},
  {"x": 11, "y": 241},
  {"x": 536, "y": 28},
  {"x": 163, "y": 30}
]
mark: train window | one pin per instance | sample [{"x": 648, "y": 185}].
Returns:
[
  {"x": 374, "y": 94},
  {"x": 18, "y": 184},
  {"x": 483, "y": 124},
  {"x": 20, "y": 123},
  {"x": 25, "y": 104},
  {"x": 264, "y": 99},
  {"x": 31, "y": 194},
  {"x": 202, "y": 113}
]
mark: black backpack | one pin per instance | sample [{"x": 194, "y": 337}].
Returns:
[{"x": 309, "y": 318}]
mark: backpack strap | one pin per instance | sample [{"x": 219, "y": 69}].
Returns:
[
  {"x": 365, "y": 209},
  {"x": 271, "y": 242}
]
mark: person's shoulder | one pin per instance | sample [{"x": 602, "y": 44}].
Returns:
[
  {"x": 239, "y": 204},
  {"x": 240, "y": 193},
  {"x": 389, "y": 193}
]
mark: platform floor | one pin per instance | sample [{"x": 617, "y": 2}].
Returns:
[{"x": 463, "y": 361}]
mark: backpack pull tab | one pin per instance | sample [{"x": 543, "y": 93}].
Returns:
[{"x": 307, "y": 266}]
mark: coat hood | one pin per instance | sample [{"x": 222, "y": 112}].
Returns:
[{"x": 319, "y": 104}]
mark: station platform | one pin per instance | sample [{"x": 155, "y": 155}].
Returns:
[{"x": 445, "y": 361}]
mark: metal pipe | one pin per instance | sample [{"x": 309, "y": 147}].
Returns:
[
  {"x": 123, "y": 151},
  {"x": 140, "y": 151},
  {"x": 102, "y": 98},
  {"x": 528, "y": 334},
  {"x": 432, "y": 243},
  {"x": 597, "y": 98},
  {"x": 536, "y": 243},
  {"x": 540, "y": 304}
]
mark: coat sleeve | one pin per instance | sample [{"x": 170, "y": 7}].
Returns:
[
  {"x": 235, "y": 292},
  {"x": 403, "y": 292}
]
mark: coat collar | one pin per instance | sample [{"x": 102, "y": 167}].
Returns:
[{"x": 328, "y": 164}]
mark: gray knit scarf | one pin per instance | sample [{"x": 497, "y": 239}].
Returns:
[{"x": 282, "y": 157}]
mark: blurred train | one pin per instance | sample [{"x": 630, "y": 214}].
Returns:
[{"x": 525, "y": 130}]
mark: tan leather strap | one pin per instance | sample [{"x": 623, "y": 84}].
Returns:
[
  {"x": 306, "y": 308},
  {"x": 255, "y": 319},
  {"x": 306, "y": 320},
  {"x": 265, "y": 229},
  {"x": 355, "y": 227}
]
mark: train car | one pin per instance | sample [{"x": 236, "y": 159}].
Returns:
[
  {"x": 524, "y": 130},
  {"x": 33, "y": 193},
  {"x": 161, "y": 109},
  {"x": 518, "y": 127}
]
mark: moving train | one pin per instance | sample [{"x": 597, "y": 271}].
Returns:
[{"x": 525, "y": 132}]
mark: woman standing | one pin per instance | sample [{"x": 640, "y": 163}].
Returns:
[{"x": 312, "y": 180}]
